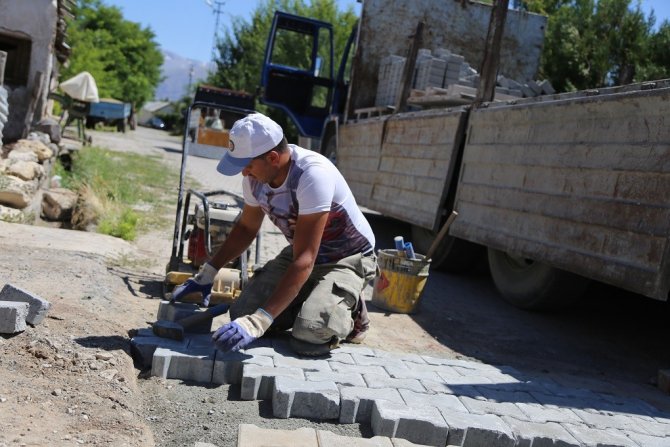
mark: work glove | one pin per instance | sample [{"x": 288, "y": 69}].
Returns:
[
  {"x": 202, "y": 282},
  {"x": 239, "y": 333}
]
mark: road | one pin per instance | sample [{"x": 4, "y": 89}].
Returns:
[{"x": 609, "y": 334}]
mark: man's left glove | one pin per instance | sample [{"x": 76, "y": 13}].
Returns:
[
  {"x": 239, "y": 333},
  {"x": 202, "y": 282}
]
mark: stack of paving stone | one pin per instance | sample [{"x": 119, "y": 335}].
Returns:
[
  {"x": 388, "y": 80},
  {"x": 422, "y": 399},
  {"x": 18, "y": 308}
]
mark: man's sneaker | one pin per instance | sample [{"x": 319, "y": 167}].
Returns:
[{"x": 361, "y": 323}]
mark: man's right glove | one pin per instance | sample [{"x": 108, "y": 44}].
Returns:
[{"x": 202, "y": 282}]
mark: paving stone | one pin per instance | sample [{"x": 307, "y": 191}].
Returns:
[
  {"x": 447, "y": 401},
  {"x": 566, "y": 401},
  {"x": 476, "y": 406},
  {"x": 356, "y": 402},
  {"x": 199, "y": 341},
  {"x": 405, "y": 357},
  {"x": 537, "y": 434},
  {"x": 346, "y": 379},
  {"x": 352, "y": 349},
  {"x": 249, "y": 435},
  {"x": 341, "y": 357},
  {"x": 38, "y": 306},
  {"x": 194, "y": 366},
  {"x": 457, "y": 362},
  {"x": 329, "y": 439},
  {"x": 142, "y": 348},
  {"x": 228, "y": 366},
  {"x": 495, "y": 395},
  {"x": 380, "y": 381},
  {"x": 258, "y": 381},
  {"x": 493, "y": 376},
  {"x": 604, "y": 421},
  {"x": 600, "y": 438},
  {"x": 649, "y": 441},
  {"x": 358, "y": 369},
  {"x": 442, "y": 388},
  {"x": 474, "y": 430},
  {"x": 444, "y": 370},
  {"x": 300, "y": 398},
  {"x": 549, "y": 413},
  {"x": 405, "y": 373},
  {"x": 465, "y": 380},
  {"x": 376, "y": 361},
  {"x": 204, "y": 444},
  {"x": 398, "y": 442},
  {"x": 655, "y": 428},
  {"x": 13, "y": 316},
  {"x": 421, "y": 425},
  {"x": 304, "y": 363},
  {"x": 176, "y": 311}
]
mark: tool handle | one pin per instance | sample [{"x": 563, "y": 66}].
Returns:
[{"x": 441, "y": 234}]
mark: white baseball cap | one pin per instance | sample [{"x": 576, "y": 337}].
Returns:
[{"x": 250, "y": 137}]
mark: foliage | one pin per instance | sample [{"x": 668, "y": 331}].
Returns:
[
  {"x": 241, "y": 50},
  {"x": 129, "y": 186},
  {"x": 122, "y": 57},
  {"x": 596, "y": 43}
]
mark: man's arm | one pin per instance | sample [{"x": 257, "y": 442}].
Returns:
[
  {"x": 240, "y": 237},
  {"x": 306, "y": 241}
]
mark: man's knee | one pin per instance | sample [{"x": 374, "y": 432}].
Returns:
[{"x": 338, "y": 323}]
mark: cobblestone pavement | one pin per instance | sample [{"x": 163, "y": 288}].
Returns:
[{"x": 422, "y": 399}]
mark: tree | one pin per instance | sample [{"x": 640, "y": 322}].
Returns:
[
  {"x": 242, "y": 49},
  {"x": 122, "y": 57}
]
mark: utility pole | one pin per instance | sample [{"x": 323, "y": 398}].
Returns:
[
  {"x": 217, "y": 9},
  {"x": 190, "y": 79}
]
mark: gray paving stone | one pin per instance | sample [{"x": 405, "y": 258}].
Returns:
[
  {"x": 652, "y": 426},
  {"x": 356, "y": 402},
  {"x": 537, "y": 434},
  {"x": 380, "y": 381},
  {"x": 420, "y": 425},
  {"x": 506, "y": 396},
  {"x": 465, "y": 380},
  {"x": 397, "y": 442},
  {"x": 300, "y": 398},
  {"x": 258, "y": 381},
  {"x": 405, "y": 357},
  {"x": 341, "y": 357},
  {"x": 13, "y": 316},
  {"x": 495, "y": 377},
  {"x": 377, "y": 361},
  {"x": 475, "y": 430},
  {"x": 353, "y": 349},
  {"x": 346, "y": 379},
  {"x": 345, "y": 367},
  {"x": 649, "y": 441},
  {"x": 38, "y": 306},
  {"x": 605, "y": 421},
  {"x": 549, "y": 413},
  {"x": 142, "y": 348},
  {"x": 447, "y": 401},
  {"x": 477, "y": 406},
  {"x": 457, "y": 362},
  {"x": 330, "y": 439},
  {"x": 405, "y": 373},
  {"x": 444, "y": 370},
  {"x": 304, "y": 363},
  {"x": 176, "y": 311},
  {"x": 199, "y": 341},
  {"x": 443, "y": 388},
  {"x": 566, "y": 401},
  {"x": 249, "y": 435},
  {"x": 599, "y": 438},
  {"x": 194, "y": 366},
  {"x": 228, "y": 366}
]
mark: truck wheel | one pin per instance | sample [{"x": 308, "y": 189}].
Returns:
[
  {"x": 533, "y": 285},
  {"x": 452, "y": 255}
]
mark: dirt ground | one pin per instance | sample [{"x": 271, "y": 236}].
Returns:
[{"x": 71, "y": 379}]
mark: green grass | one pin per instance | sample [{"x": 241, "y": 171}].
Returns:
[{"x": 133, "y": 190}]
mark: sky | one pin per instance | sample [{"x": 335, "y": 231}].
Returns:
[{"x": 186, "y": 27}]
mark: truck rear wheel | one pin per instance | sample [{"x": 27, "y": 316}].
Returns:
[
  {"x": 452, "y": 255},
  {"x": 533, "y": 285}
]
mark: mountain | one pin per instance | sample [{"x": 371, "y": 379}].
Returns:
[{"x": 175, "y": 71}]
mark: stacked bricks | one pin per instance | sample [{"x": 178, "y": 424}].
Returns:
[
  {"x": 18, "y": 308},
  {"x": 388, "y": 80},
  {"x": 424, "y": 400}
]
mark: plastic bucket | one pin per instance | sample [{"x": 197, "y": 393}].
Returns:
[{"x": 400, "y": 281}]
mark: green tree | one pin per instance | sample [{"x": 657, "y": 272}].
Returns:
[
  {"x": 122, "y": 57},
  {"x": 242, "y": 49}
]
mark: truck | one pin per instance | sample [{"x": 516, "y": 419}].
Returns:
[
  {"x": 110, "y": 111},
  {"x": 554, "y": 190}
]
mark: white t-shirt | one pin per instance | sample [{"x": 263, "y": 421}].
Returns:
[{"x": 314, "y": 185}]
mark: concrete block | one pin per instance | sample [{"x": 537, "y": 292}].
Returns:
[
  {"x": 357, "y": 369},
  {"x": 356, "y": 402},
  {"x": 405, "y": 373},
  {"x": 258, "y": 381},
  {"x": 470, "y": 379},
  {"x": 540, "y": 434},
  {"x": 300, "y": 398},
  {"x": 377, "y": 361},
  {"x": 446, "y": 401},
  {"x": 228, "y": 366},
  {"x": 194, "y": 366},
  {"x": 380, "y": 381},
  {"x": 176, "y": 311},
  {"x": 648, "y": 440},
  {"x": 413, "y": 358},
  {"x": 542, "y": 413},
  {"x": 304, "y": 363},
  {"x": 329, "y": 439},
  {"x": 341, "y": 357},
  {"x": 470, "y": 430},
  {"x": 142, "y": 348},
  {"x": 398, "y": 442},
  {"x": 478, "y": 406},
  {"x": 38, "y": 307},
  {"x": 352, "y": 349},
  {"x": 346, "y": 379},
  {"x": 13, "y": 316},
  {"x": 593, "y": 436},
  {"x": 443, "y": 370},
  {"x": 443, "y": 388},
  {"x": 249, "y": 435},
  {"x": 420, "y": 425}
]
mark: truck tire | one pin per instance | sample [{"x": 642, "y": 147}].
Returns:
[
  {"x": 533, "y": 285},
  {"x": 452, "y": 255}
]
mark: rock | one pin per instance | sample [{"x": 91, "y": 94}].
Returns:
[
  {"x": 15, "y": 192},
  {"x": 22, "y": 156},
  {"x": 50, "y": 127},
  {"x": 25, "y": 170},
  {"x": 37, "y": 147},
  {"x": 105, "y": 356},
  {"x": 58, "y": 203},
  {"x": 39, "y": 136},
  {"x": 12, "y": 215}
]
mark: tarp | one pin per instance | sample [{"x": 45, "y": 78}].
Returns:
[{"x": 81, "y": 87}]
